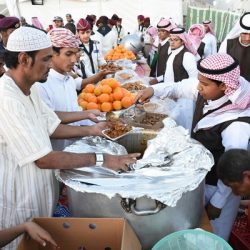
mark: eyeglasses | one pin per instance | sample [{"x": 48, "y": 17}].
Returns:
[{"x": 174, "y": 40}]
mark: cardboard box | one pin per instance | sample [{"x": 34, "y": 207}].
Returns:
[{"x": 86, "y": 234}]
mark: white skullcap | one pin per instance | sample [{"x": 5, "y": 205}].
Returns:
[{"x": 28, "y": 39}]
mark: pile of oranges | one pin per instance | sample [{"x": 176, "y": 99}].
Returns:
[
  {"x": 107, "y": 96},
  {"x": 119, "y": 52}
]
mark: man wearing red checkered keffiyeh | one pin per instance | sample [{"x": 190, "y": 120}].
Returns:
[
  {"x": 221, "y": 122},
  {"x": 209, "y": 39},
  {"x": 237, "y": 44},
  {"x": 59, "y": 92},
  {"x": 63, "y": 38}
]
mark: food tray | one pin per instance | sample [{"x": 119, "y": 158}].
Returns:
[
  {"x": 134, "y": 86},
  {"x": 139, "y": 121},
  {"x": 126, "y": 75},
  {"x": 111, "y": 66},
  {"x": 114, "y": 138}
]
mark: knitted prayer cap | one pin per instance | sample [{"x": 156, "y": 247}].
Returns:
[{"x": 28, "y": 39}]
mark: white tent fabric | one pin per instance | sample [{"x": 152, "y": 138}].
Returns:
[
  {"x": 13, "y": 7},
  {"x": 126, "y": 9}
]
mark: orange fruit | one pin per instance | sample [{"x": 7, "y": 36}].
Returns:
[
  {"x": 87, "y": 96},
  {"x": 126, "y": 101},
  {"x": 104, "y": 82},
  {"x": 106, "y": 89},
  {"x": 92, "y": 105},
  {"x": 79, "y": 100},
  {"x": 92, "y": 98},
  {"x": 83, "y": 104},
  {"x": 111, "y": 97},
  {"x": 103, "y": 98},
  {"x": 118, "y": 94},
  {"x": 98, "y": 90},
  {"x": 89, "y": 88},
  {"x": 113, "y": 83},
  {"x": 132, "y": 96},
  {"x": 106, "y": 106},
  {"x": 82, "y": 95},
  {"x": 125, "y": 92},
  {"x": 117, "y": 105}
]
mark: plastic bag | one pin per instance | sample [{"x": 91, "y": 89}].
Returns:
[
  {"x": 126, "y": 75},
  {"x": 126, "y": 64}
]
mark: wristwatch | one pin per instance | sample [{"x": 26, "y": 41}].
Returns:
[{"x": 98, "y": 159}]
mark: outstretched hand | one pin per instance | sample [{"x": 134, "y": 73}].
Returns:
[
  {"x": 212, "y": 211},
  {"x": 120, "y": 162},
  {"x": 106, "y": 72},
  {"x": 145, "y": 94},
  {"x": 39, "y": 234},
  {"x": 153, "y": 81},
  {"x": 98, "y": 128},
  {"x": 92, "y": 114}
]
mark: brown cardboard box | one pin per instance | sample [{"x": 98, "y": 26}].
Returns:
[{"x": 86, "y": 234}]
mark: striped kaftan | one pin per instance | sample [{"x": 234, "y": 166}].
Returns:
[{"x": 26, "y": 191}]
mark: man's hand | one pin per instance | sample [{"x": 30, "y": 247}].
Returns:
[
  {"x": 92, "y": 114},
  {"x": 105, "y": 72},
  {"x": 119, "y": 162},
  {"x": 212, "y": 211},
  {"x": 39, "y": 234},
  {"x": 145, "y": 94},
  {"x": 98, "y": 128},
  {"x": 153, "y": 81}
]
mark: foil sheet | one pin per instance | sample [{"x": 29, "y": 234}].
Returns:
[{"x": 172, "y": 164}]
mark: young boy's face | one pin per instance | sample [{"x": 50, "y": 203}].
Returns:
[
  {"x": 241, "y": 188},
  {"x": 175, "y": 42},
  {"x": 84, "y": 35},
  {"x": 245, "y": 38},
  {"x": 163, "y": 34},
  {"x": 209, "y": 90},
  {"x": 65, "y": 60}
]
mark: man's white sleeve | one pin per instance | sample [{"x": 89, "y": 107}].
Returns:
[
  {"x": 189, "y": 63},
  {"x": 236, "y": 135},
  {"x": 186, "y": 88}
]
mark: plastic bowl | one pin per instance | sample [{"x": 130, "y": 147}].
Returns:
[{"x": 192, "y": 239}]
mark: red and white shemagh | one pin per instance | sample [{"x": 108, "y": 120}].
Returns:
[
  {"x": 196, "y": 33},
  {"x": 210, "y": 27},
  {"x": 232, "y": 80},
  {"x": 187, "y": 42},
  {"x": 63, "y": 38},
  {"x": 166, "y": 24}
]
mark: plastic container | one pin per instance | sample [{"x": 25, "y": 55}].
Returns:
[
  {"x": 192, "y": 239},
  {"x": 147, "y": 120},
  {"x": 125, "y": 75},
  {"x": 104, "y": 132}
]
